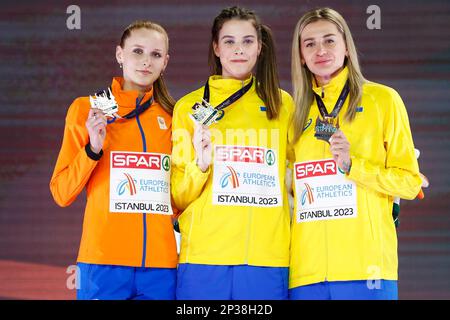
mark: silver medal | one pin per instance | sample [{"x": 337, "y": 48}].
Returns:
[
  {"x": 106, "y": 102},
  {"x": 205, "y": 114}
]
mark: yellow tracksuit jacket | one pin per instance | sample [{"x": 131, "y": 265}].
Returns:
[
  {"x": 383, "y": 166},
  {"x": 220, "y": 234}
]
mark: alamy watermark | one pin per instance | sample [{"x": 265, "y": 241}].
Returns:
[
  {"x": 73, "y": 21},
  {"x": 73, "y": 280},
  {"x": 374, "y": 278},
  {"x": 373, "y": 22}
]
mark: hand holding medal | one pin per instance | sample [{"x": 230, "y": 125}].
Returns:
[
  {"x": 203, "y": 115},
  {"x": 96, "y": 126},
  {"x": 103, "y": 104},
  {"x": 340, "y": 149},
  {"x": 202, "y": 146}
]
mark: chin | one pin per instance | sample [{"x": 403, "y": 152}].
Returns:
[
  {"x": 144, "y": 83},
  {"x": 324, "y": 72}
]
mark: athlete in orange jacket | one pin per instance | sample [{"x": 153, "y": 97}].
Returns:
[{"x": 128, "y": 248}]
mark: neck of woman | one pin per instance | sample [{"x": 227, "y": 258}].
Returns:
[
  {"x": 127, "y": 86},
  {"x": 324, "y": 80}
]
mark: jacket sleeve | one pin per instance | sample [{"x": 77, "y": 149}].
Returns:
[
  {"x": 400, "y": 175},
  {"x": 187, "y": 180},
  {"x": 73, "y": 167}
]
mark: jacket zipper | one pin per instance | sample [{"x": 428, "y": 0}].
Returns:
[
  {"x": 249, "y": 216},
  {"x": 144, "y": 216},
  {"x": 325, "y": 222}
]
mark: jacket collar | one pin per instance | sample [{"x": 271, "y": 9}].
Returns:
[
  {"x": 333, "y": 88},
  {"x": 227, "y": 86},
  {"x": 127, "y": 99}
]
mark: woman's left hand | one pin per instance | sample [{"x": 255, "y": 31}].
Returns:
[{"x": 340, "y": 149}]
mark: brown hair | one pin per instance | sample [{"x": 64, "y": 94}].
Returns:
[
  {"x": 160, "y": 91},
  {"x": 267, "y": 83},
  {"x": 302, "y": 76}
]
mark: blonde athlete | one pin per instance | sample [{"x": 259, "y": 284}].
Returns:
[{"x": 344, "y": 243}]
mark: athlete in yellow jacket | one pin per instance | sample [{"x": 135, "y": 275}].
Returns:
[
  {"x": 229, "y": 178},
  {"x": 344, "y": 243},
  {"x": 127, "y": 249},
  {"x": 236, "y": 224}
]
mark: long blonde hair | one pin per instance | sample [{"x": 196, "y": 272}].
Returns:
[
  {"x": 302, "y": 77},
  {"x": 160, "y": 91}
]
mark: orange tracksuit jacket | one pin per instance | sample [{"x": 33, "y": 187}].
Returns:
[{"x": 126, "y": 239}]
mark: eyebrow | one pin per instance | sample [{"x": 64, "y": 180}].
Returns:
[
  {"x": 232, "y": 37},
  {"x": 327, "y": 35},
  {"x": 142, "y": 47}
]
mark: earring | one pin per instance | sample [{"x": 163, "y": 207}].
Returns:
[{"x": 120, "y": 65}]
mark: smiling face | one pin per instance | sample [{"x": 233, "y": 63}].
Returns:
[
  {"x": 323, "y": 50},
  {"x": 237, "y": 48},
  {"x": 143, "y": 56}
]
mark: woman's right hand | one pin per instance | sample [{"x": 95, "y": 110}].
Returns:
[
  {"x": 96, "y": 126},
  {"x": 202, "y": 146}
]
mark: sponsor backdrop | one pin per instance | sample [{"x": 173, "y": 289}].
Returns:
[{"x": 52, "y": 52}]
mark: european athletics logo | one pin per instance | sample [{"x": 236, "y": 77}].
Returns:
[
  {"x": 128, "y": 183},
  {"x": 232, "y": 177},
  {"x": 307, "y": 193}
]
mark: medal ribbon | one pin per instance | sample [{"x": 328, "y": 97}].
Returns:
[
  {"x": 337, "y": 107},
  {"x": 137, "y": 111},
  {"x": 231, "y": 99}
]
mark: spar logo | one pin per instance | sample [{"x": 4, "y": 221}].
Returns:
[
  {"x": 127, "y": 184},
  {"x": 307, "y": 194},
  {"x": 166, "y": 163},
  {"x": 315, "y": 169},
  {"x": 131, "y": 160},
  {"x": 231, "y": 177},
  {"x": 245, "y": 154},
  {"x": 270, "y": 157}
]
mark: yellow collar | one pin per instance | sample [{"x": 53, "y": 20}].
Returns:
[
  {"x": 332, "y": 88},
  {"x": 227, "y": 86}
]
